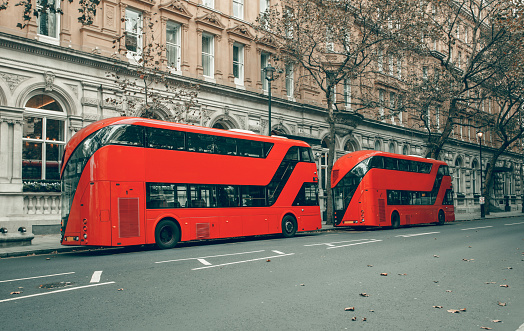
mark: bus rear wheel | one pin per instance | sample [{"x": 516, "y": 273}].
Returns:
[
  {"x": 441, "y": 218},
  {"x": 395, "y": 220},
  {"x": 289, "y": 226},
  {"x": 167, "y": 234}
]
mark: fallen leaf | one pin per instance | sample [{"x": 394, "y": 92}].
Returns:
[
  {"x": 439, "y": 307},
  {"x": 120, "y": 289},
  {"x": 469, "y": 246},
  {"x": 364, "y": 319},
  {"x": 384, "y": 274},
  {"x": 436, "y": 256},
  {"x": 302, "y": 285},
  {"x": 268, "y": 260},
  {"x": 370, "y": 266},
  {"x": 449, "y": 291},
  {"x": 485, "y": 328},
  {"x": 349, "y": 309},
  {"x": 491, "y": 282},
  {"x": 17, "y": 292},
  {"x": 354, "y": 318},
  {"x": 371, "y": 311},
  {"x": 402, "y": 274},
  {"x": 496, "y": 321},
  {"x": 453, "y": 311},
  {"x": 504, "y": 285},
  {"x": 502, "y": 304},
  {"x": 462, "y": 309},
  {"x": 509, "y": 268},
  {"x": 435, "y": 281},
  {"x": 364, "y": 295}
]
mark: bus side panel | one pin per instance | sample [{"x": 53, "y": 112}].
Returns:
[{"x": 127, "y": 213}]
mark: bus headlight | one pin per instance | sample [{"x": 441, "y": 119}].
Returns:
[{"x": 85, "y": 235}]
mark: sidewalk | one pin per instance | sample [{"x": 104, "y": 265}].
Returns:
[{"x": 50, "y": 243}]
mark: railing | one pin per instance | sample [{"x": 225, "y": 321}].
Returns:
[{"x": 41, "y": 203}]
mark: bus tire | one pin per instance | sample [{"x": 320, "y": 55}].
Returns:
[
  {"x": 441, "y": 218},
  {"x": 289, "y": 226},
  {"x": 167, "y": 234},
  {"x": 395, "y": 220}
]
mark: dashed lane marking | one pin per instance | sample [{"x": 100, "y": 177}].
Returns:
[
  {"x": 204, "y": 262},
  {"x": 416, "y": 234},
  {"x": 35, "y": 277},
  {"x": 480, "y": 227},
  {"x": 96, "y": 277},
  {"x": 515, "y": 223},
  {"x": 354, "y": 244},
  {"x": 54, "y": 292}
]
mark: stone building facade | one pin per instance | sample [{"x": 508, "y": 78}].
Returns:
[{"x": 53, "y": 82}]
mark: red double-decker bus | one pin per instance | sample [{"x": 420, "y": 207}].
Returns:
[
  {"x": 372, "y": 188},
  {"x": 131, "y": 181}
]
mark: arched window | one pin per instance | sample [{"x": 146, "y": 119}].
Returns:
[
  {"x": 378, "y": 145},
  {"x": 349, "y": 147},
  {"x": 43, "y": 138},
  {"x": 391, "y": 148},
  {"x": 475, "y": 187},
  {"x": 219, "y": 125},
  {"x": 405, "y": 150},
  {"x": 458, "y": 177}
]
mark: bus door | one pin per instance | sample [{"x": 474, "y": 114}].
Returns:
[{"x": 127, "y": 213}]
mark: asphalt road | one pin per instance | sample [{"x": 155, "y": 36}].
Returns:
[{"x": 460, "y": 276}]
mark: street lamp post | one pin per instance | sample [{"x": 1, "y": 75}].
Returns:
[
  {"x": 269, "y": 70},
  {"x": 482, "y": 200}
]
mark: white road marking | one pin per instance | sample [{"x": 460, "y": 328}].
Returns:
[
  {"x": 360, "y": 243},
  {"x": 336, "y": 242},
  {"x": 278, "y": 252},
  {"x": 56, "y": 291},
  {"x": 515, "y": 223},
  {"x": 96, "y": 277},
  {"x": 204, "y": 262},
  {"x": 237, "y": 262},
  {"x": 205, "y": 257},
  {"x": 15, "y": 280},
  {"x": 416, "y": 234},
  {"x": 481, "y": 227}
]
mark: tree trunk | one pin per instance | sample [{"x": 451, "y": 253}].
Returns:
[
  {"x": 436, "y": 147},
  {"x": 330, "y": 161},
  {"x": 488, "y": 182}
]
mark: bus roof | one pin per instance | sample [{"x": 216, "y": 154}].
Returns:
[{"x": 86, "y": 131}]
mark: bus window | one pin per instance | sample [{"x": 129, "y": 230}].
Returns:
[
  {"x": 132, "y": 135},
  {"x": 292, "y": 154},
  {"x": 443, "y": 170},
  {"x": 306, "y": 155},
  {"x": 227, "y": 196},
  {"x": 165, "y": 139},
  {"x": 424, "y": 167},
  {"x": 249, "y": 148},
  {"x": 390, "y": 163},
  {"x": 202, "y": 196},
  {"x": 225, "y": 146},
  {"x": 202, "y": 143},
  {"x": 253, "y": 196},
  {"x": 376, "y": 162},
  {"x": 307, "y": 196},
  {"x": 267, "y": 149},
  {"x": 403, "y": 165}
]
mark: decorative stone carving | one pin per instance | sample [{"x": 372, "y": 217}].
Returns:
[
  {"x": 49, "y": 78},
  {"x": 13, "y": 80},
  {"x": 73, "y": 88},
  {"x": 241, "y": 30},
  {"x": 89, "y": 102},
  {"x": 211, "y": 19}
]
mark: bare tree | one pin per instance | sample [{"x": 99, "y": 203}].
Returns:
[
  {"x": 335, "y": 41},
  {"x": 145, "y": 80},
  {"x": 461, "y": 49}
]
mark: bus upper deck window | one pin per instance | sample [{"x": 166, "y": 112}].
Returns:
[{"x": 132, "y": 135}]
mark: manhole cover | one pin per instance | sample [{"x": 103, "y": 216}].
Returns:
[{"x": 56, "y": 285}]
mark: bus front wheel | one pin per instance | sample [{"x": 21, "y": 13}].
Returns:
[
  {"x": 395, "y": 220},
  {"x": 441, "y": 218},
  {"x": 167, "y": 234},
  {"x": 289, "y": 226}
]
